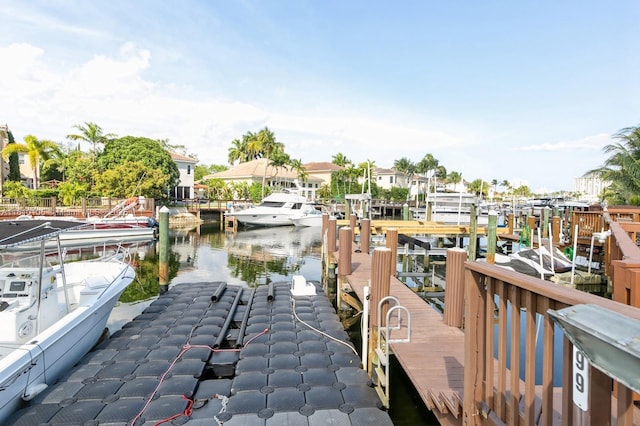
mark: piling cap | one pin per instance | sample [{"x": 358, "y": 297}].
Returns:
[{"x": 164, "y": 209}]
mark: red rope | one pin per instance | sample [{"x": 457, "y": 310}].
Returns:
[
  {"x": 185, "y": 348},
  {"x": 187, "y": 412}
]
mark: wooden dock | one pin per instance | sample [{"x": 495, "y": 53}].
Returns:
[
  {"x": 450, "y": 365},
  {"x": 434, "y": 360}
]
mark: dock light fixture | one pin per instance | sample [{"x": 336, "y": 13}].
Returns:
[{"x": 610, "y": 341}]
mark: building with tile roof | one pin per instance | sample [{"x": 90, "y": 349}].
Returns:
[{"x": 280, "y": 177}]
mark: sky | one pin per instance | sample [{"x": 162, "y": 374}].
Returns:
[{"x": 524, "y": 91}]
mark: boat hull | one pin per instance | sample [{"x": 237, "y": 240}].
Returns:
[{"x": 31, "y": 367}]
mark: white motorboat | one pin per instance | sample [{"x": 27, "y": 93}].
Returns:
[
  {"x": 308, "y": 216},
  {"x": 274, "y": 210},
  {"x": 97, "y": 230},
  {"x": 52, "y": 312}
]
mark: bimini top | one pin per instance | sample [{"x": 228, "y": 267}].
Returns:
[{"x": 18, "y": 232}]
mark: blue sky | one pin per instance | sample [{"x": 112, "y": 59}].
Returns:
[{"x": 526, "y": 91}]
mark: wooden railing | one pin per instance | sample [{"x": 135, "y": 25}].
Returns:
[
  {"x": 13, "y": 207},
  {"x": 506, "y": 319}
]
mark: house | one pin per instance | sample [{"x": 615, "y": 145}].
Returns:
[
  {"x": 184, "y": 190},
  {"x": 392, "y": 178},
  {"x": 254, "y": 171}
]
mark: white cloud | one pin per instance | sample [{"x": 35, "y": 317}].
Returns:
[
  {"x": 594, "y": 142},
  {"x": 113, "y": 92}
]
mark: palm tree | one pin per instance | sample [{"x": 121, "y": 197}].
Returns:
[
  {"x": 37, "y": 150},
  {"x": 266, "y": 145},
  {"x": 339, "y": 159},
  {"x": 297, "y": 166},
  {"x": 454, "y": 177},
  {"x": 91, "y": 133},
  {"x": 426, "y": 165},
  {"x": 622, "y": 168},
  {"x": 405, "y": 166},
  {"x": 236, "y": 151}
]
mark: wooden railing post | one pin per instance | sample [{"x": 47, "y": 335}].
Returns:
[
  {"x": 474, "y": 339},
  {"x": 454, "y": 296}
]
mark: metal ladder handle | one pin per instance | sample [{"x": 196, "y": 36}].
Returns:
[
  {"x": 398, "y": 308},
  {"x": 380, "y": 303}
]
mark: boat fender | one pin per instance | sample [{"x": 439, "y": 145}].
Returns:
[{"x": 33, "y": 391}]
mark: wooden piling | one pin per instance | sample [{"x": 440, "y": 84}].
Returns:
[
  {"x": 555, "y": 229},
  {"x": 344, "y": 259},
  {"x": 353, "y": 220},
  {"x": 365, "y": 235},
  {"x": 473, "y": 235},
  {"x": 454, "y": 295},
  {"x": 380, "y": 285},
  {"x": 392, "y": 244},
  {"x": 163, "y": 264},
  {"x": 331, "y": 235},
  {"x": 511, "y": 219},
  {"x": 492, "y": 236}
]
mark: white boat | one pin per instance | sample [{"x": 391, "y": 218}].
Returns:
[
  {"x": 96, "y": 230},
  {"x": 52, "y": 312},
  {"x": 274, "y": 210},
  {"x": 451, "y": 208},
  {"x": 308, "y": 216}
]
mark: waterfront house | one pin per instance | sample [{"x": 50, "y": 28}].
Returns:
[
  {"x": 184, "y": 190},
  {"x": 276, "y": 177}
]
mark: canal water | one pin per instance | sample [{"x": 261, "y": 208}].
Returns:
[{"x": 249, "y": 258}]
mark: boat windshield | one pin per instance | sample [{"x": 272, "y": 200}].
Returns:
[{"x": 276, "y": 204}]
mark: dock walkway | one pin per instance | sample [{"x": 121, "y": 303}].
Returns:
[{"x": 434, "y": 359}]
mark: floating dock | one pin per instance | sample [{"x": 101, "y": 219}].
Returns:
[{"x": 210, "y": 353}]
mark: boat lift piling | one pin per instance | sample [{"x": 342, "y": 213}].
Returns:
[{"x": 163, "y": 264}]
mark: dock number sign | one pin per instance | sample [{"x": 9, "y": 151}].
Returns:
[{"x": 580, "y": 380}]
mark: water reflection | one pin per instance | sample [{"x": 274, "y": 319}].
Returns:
[{"x": 249, "y": 257}]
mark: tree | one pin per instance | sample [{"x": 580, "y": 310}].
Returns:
[
  {"x": 340, "y": 160},
  {"x": 453, "y": 178},
  {"x": 130, "y": 149},
  {"x": 406, "y": 166},
  {"x": 622, "y": 168},
  {"x": 37, "y": 150},
  {"x": 265, "y": 144},
  {"x": 132, "y": 178},
  {"x": 479, "y": 188},
  {"x": 200, "y": 170},
  {"x": 14, "y": 161},
  {"x": 93, "y": 134},
  {"x": 297, "y": 166},
  {"x": 237, "y": 151},
  {"x": 70, "y": 192}
]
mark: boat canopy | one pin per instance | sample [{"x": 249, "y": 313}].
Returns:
[{"x": 17, "y": 232}]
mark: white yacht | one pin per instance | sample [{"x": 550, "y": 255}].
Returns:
[{"x": 274, "y": 210}]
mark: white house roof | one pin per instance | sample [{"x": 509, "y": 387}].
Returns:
[{"x": 182, "y": 158}]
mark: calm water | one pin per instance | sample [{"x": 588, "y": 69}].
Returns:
[{"x": 248, "y": 258}]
